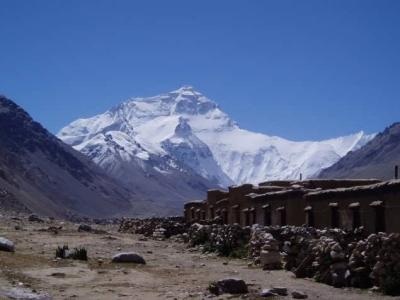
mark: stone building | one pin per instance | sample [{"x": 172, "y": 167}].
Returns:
[
  {"x": 214, "y": 204},
  {"x": 375, "y": 207},
  {"x": 319, "y": 203},
  {"x": 278, "y": 207},
  {"x": 194, "y": 211}
]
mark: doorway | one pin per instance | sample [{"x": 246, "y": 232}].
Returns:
[
  {"x": 237, "y": 215},
  {"x": 267, "y": 216},
  {"x": 356, "y": 217},
  {"x": 282, "y": 213},
  {"x": 247, "y": 218},
  {"x": 254, "y": 216},
  {"x": 225, "y": 216},
  {"x": 334, "y": 217},
  {"x": 380, "y": 220},
  {"x": 310, "y": 218}
]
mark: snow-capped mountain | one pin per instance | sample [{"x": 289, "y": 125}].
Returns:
[{"x": 183, "y": 132}]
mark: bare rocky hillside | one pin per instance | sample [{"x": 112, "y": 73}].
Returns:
[{"x": 374, "y": 160}]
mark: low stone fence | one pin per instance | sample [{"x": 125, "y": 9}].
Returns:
[
  {"x": 335, "y": 257},
  {"x": 226, "y": 240},
  {"x": 155, "y": 227},
  {"x": 332, "y": 256}
]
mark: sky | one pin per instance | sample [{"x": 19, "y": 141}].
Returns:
[{"x": 302, "y": 70}]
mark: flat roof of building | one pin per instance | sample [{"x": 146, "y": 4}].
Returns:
[
  {"x": 278, "y": 194},
  {"x": 217, "y": 190},
  {"x": 377, "y": 187},
  {"x": 194, "y": 203}
]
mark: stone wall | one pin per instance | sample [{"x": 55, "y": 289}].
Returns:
[
  {"x": 341, "y": 258},
  {"x": 375, "y": 206}
]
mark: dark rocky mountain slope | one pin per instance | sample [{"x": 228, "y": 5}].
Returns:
[
  {"x": 41, "y": 174},
  {"x": 374, "y": 160}
]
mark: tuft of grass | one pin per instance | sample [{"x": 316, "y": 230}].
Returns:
[
  {"x": 239, "y": 252},
  {"x": 79, "y": 254},
  {"x": 61, "y": 252}
]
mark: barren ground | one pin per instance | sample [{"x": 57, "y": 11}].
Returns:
[{"x": 172, "y": 271}]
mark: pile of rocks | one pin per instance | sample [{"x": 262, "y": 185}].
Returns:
[
  {"x": 199, "y": 234},
  {"x": 90, "y": 229},
  {"x": 363, "y": 258},
  {"x": 333, "y": 256},
  {"x": 158, "y": 228},
  {"x": 224, "y": 239},
  {"x": 270, "y": 256},
  {"x": 321, "y": 254},
  {"x": 376, "y": 261},
  {"x": 386, "y": 270},
  {"x": 87, "y": 220},
  {"x": 159, "y": 233},
  {"x": 264, "y": 249},
  {"x": 336, "y": 257},
  {"x": 330, "y": 265}
]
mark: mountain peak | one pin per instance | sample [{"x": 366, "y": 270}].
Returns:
[
  {"x": 189, "y": 101},
  {"x": 186, "y": 88}
]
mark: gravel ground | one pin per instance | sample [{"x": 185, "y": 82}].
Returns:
[{"x": 172, "y": 271}]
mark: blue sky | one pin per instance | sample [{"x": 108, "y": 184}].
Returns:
[{"x": 297, "y": 69}]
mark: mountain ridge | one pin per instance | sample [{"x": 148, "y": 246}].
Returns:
[
  {"x": 234, "y": 155},
  {"x": 375, "y": 160},
  {"x": 39, "y": 173}
]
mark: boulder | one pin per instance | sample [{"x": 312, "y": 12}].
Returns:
[
  {"x": 229, "y": 286},
  {"x": 6, "y": 245},
  {"x": 35, "y": 218},
  {"x": 128, "y": 257},
  {"x": 299, "y": 295},
  {"x": 22, "y": 293},
  {"x": 85, "y": 228},
  {"x": 267, "y": 293},
  {"x": 281, "y": 291}
]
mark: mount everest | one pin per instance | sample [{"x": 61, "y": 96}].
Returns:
[{"x": 183, "y": 143}]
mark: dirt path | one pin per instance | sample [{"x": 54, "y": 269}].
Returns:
[{"x": 171, "y": 272}]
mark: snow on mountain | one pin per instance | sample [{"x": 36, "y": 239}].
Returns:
[
  {"x": 187, "y": 148},
  {"x": 189, "y": 133}
]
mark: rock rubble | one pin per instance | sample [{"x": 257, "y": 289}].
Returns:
[{"x": 159, "y": 228}]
